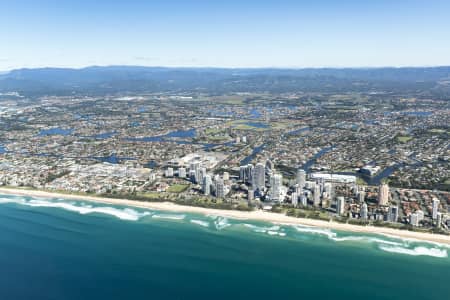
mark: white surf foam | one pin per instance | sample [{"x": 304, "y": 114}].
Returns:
[
  {"x": 326, "y": 232},
  {"x": 261, "y": 229},
  {"x": 365, "y": 239},
  {"x": 413, "y": 240},
  {"x": 256, "y": 228},
  {"x": 221, "y": 223},
  {"x": 12, "y": 200},
  {"x": 200, "y": 222},
  {"x": 124, "y": 214},
  {"x": 417, "y": 251},
  {"x": 333, "y": 236},
  {"x": 169, "y": 216},
  {"x": 272, "y": 232}
]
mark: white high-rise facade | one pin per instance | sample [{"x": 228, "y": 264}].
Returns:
[
  {"x": 383, "y": 194},
  {"x": 316, "y": 195},
  {"x": 251, "y": 195},
  {"x": 220, "y": 188},
  {"x": 195, "y": 167},
  {"x": 327, "y": 190},
  {"x": 420, "y": 215},
  {"x": 438, "y": 219},
  {"x": 169, "y": 172},
  {"x": 246, "y": 173},
  {"x": 206, "y": 185},
  {"x": 361, "y": 196},
  {"x": 182, "y": 172},
  {"x": 276, "y": 182},
  {"x": 414, "y": 219},
  {"x": 202, "y": 174},
  {"x": 259, "y": 178},
  {"x": 393, "y": 214},
  {"x": 303, "y": 200},
  {"x": 363, "y": 211},
  {"x": 435, "y": 208},
  {"x": 294, "y": 199},
  {"x": 301, "y": 178},
  {"x": 340, "y": 205},
  {"x": 269, "y": 166},
  {"x": 242, "y": 173}
]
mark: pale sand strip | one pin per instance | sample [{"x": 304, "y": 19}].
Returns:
[{"x": 242, "y": 215}]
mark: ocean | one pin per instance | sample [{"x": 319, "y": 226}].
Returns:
[{"x": 66, "y": 249}]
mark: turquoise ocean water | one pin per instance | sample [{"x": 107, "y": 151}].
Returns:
[{"x": 65, "y": 249}]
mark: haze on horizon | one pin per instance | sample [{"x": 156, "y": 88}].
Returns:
[{"x": 200, "y": 33}]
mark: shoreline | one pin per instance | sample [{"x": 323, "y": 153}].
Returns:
[{"x": 259, "y": 215}]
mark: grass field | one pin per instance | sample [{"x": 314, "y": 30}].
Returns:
[
  {"x": 246, "y": 125},
  {"x": 232, "y": 99},
  {"x": 218, "y": 138},
  {"x": 216, "y": 134},
  {"x": 437, "y": 130},
  {"x": 210, "y": 131},
  {"x": 177, "y": 188},
  {"x": 360, "y": 181},
  {"x": 150, "y": 195},
  {"x": 404, "y": 138}
]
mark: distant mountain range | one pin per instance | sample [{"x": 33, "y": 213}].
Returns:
[{"x": 135, "y": 79}]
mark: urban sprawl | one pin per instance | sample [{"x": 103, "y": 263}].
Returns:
[{"x": 362, "y": 158}]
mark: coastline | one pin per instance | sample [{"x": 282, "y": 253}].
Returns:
[{"x": 259, "y": 215}]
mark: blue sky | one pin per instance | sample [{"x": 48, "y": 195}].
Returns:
[{"x": 232, "y": 33}]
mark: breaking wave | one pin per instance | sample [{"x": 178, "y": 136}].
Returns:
[
  {"x": 12, "y": 200},
  {"x": 402, "y": 246},
  {"x": 221, "y": 223},
  {"x": 128, "y": 214},
  {"x": 326, "y": 232},
  {"x": 273, "y": 230},
  {"x": 391, "y": 244},
  {"x": 365, "y": 239},
  {"x": 261, "y": 228},
  {"x": 413, "y": 240},
  {"x": 333, "y": 236},
  {"x": 200, "y": 222},
  {"x": 417, "y": 251},
  {"x": 169, "y": 216}
]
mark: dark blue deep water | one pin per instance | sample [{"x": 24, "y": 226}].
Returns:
[{"x": 63, "y": 249}]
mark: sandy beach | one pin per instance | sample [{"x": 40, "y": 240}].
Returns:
[{"x": 242, "y": 215}]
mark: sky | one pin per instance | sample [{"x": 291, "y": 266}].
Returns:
[{"x": 219, "y": 33}]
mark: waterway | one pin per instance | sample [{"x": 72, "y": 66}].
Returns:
[
  {"x": 191, "y": 133},
  {"x": 257, "y": 124},
  {"x": 55, "y": 131},
  {"x": 312, "y": 161},
  {"x": 298, "y": 131},
  {"x": 249, "y": 158}
]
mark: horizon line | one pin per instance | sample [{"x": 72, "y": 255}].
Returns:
[{"x": 226, "y": 67}]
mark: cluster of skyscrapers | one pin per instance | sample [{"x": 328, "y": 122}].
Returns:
[
  {"x": 264, "y": 183},
  {"x": 210, "y": 185},
  {"x": 267, "y": 185}
]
